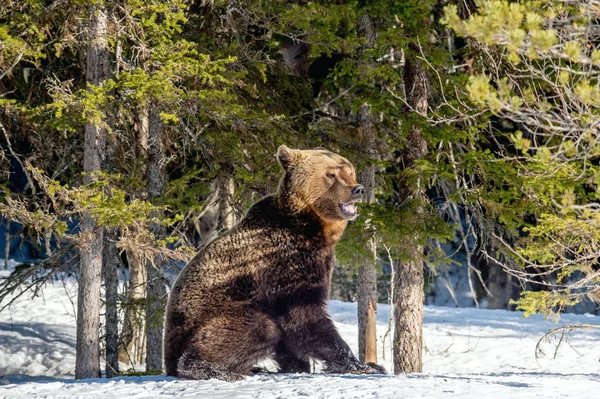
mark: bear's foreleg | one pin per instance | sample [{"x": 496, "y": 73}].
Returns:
[
  {"x": 309, "y": 333},
  {"x": 288, "y": 362}
]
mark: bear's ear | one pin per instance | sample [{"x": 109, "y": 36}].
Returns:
[{"x": 286, "y": 157}]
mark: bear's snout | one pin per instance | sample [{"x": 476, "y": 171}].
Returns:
[{"x": 358, "y": 191}]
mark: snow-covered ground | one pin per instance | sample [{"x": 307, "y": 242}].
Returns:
[{"x": 469, "y": 353}]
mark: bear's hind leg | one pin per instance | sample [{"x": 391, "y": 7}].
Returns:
[
  {"x": 228, "y": 346},
  {"x": 191, "y": 365}
]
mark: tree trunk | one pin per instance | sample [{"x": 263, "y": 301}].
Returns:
[
  {"x": 6, "y": 244},
  {"x": 207, "y": 224},
  {"x": 156, "y": 293},
  {"x": 87, "y": 364},
  {"x": 226, "y": 192},
  {"x": 132, "y": 348},
  {"x": 409, "y": 283},
  {"x": 133, "y": 345},
  {"x": 408, "y": 316},
  {"x": 367, "y": 308},
  {"x": 367, "y": 273},
  {"x": 111, "y": 261}
]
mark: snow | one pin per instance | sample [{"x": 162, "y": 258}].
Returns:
[
  {"x": 5, "y": 271},
  {"x": 469, "y": 353},
  {"x": 37, "y": 336}
]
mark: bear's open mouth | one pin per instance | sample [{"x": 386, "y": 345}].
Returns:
[{"x": 349, "y": 209}]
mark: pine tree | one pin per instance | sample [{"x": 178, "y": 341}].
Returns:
[
  {"x": 156, "y": 292},
  {"x": 540, "y": 82},
  {"x": 90, "y": 277},
  {"x": 367, "y": 271},
  {"x": 210, "y": 89}
]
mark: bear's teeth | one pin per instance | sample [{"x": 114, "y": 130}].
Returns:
[{"x": 350, "y": 208}]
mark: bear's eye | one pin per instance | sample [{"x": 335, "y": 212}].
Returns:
[{"x": 331, "y": 175}]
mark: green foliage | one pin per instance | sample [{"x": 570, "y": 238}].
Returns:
[
  {"x": 213, "y": 75},
  {"x": 550, "y": 303},
  {"x": 550, "y": 176}
]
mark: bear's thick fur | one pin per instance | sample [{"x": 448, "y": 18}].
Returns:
[{"x": 261, "y": 289}]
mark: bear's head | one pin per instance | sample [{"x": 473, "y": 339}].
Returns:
[{"x": 320, "y": 181}]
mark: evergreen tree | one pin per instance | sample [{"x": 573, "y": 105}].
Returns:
[
  {"x": 539, "y": 78},
  {"x": 87, "y": 361},
  {"x": 161, "y": 132}
]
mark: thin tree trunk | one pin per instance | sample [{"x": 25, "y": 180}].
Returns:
[
  {"x": 408, "y": 316},
  {"x": 133, "y": 337},
  {"x": 87, "y": 364},
  {"x": 156, "y": 293},
  {"x": 111, "y": 262},
  {"x": 226, "y": 193},
  {"x": 208, "y": 223},
  {"x": 132, "y": 348},
  {"x": 408, "y": 291},
  {"x": 367, "y": 308},
  {"x": 367, "y": 273},
  {"x": 7, "y": 244}
]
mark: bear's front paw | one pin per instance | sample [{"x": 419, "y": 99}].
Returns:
[
  {"x": 354, "y": 366},
  {"x": 374, "y": 368}
]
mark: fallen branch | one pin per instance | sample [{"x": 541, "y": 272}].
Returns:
[{"x": 564, "y": 332}]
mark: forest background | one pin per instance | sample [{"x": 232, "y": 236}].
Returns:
[{"x": 133, "y": 132}]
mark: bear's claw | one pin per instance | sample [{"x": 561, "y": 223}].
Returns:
[
  {"x": 375, "y": 368},
  {"x": 358, "y": 367}
]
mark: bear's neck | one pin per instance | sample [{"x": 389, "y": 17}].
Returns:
[
  {"x": 329, "y": 231},
  {"x": 333, "y": 231}
]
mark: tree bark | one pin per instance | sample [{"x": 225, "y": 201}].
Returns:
[
  {"x": 226, "y": 192},
  {"x": 367, "y": 308},
  {"x": 367, "y": 273},
  {"x": 6, "y": 244},
  {"x": 408, "y": 316},
  {"x": 156, "y": 292},
  {"x": 409, "y": 283},
  {"x": 87, "y": 364},
  {"x": 111, "y": 261},
  {"x": 208, "y": 224},
  {"x": 133, "y": 346}
]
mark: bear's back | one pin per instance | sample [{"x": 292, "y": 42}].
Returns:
[
  {"x": 267, "y": 250},
  {"x": 228, "y": 267}
]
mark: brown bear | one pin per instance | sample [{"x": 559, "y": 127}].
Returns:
[{"x": 261, "y": 289}]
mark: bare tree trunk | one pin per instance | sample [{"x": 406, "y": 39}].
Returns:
[
  {"x": 367, "y": 273},
  {"x": 208, "y": 223},
  {"x": 408, "y": 291},
  {"x": 367, "y": 308},
  {"x": 156, "y": 293},
  {"x": 132, "y": 348},
  {"x": 111, "y": 261},
  {"x": 87, "y": 364},
  {"x": 226, "y": 193},
  {"x": 133, "y": 345},
  {"x": 408, "y": 316},
  {"x": 6, "y": 244}
]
